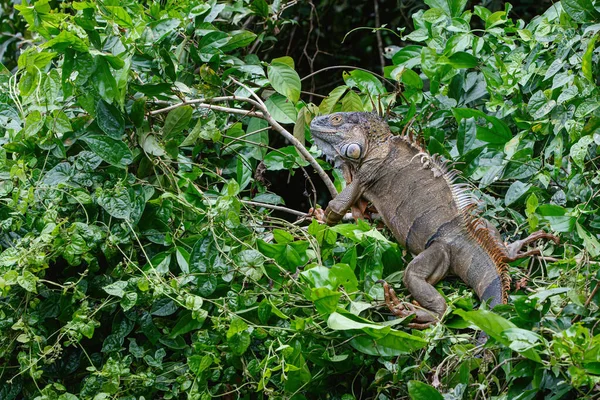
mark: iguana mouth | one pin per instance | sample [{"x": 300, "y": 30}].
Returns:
[{"x": 323, "y": 130}]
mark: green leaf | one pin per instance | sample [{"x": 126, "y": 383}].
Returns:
[
  {"x": 151, "y": 89},
  {"x": 539, "y": 105},
  {"x": 110, "y": 119},
  {"x": 187, "y": 322},
  {"x": 499, "y": 133},
  {"x": 238, "y": 39},
  {"x": 434, "y": 15},
  {"x": 409, "y": 56},
  {"x": 284, "y": 80},
  {"x": 579, "y": 150},
  {"x": 250, "y": 263},
  {"x": 198, "y": 363},
  {"x": 238, "y": 338},
  {"x": 116, "y": 202},
  {"x": 33, "y": 124},
  {"x": 259, "y": 141},
  {"x": 284, "y": 158},
  {"x": 495, "y": 326},
  {"x": 523, "y": 341},
  {"x": 580, "y": 10},
  {"x": 421, "y": 391},
  {"x": 264, "y": 311},
  {"x": 204, "y": 129},
  {"x": 352, "y": 102},
  {"x": 281, "y": 109},
  {"x": 66, "y": 39},
  {"x": 28, "y": 281},
  {"x": 452, "y": 8},
  {"x": 467, "y": 132},
  {"x": 60, "y": 122},
  {"x": 412, "y": 79},
  {"x": 120, "y": 16},
  {"x": 114, "y": 152},
  {"x": 163, "y": 307},
  {"x": 67, "y": 396},
  {"x": 393, "y": 344},
  {"x": 104, "y": 80},
  {"x": 364, "y": 81},
  {"x": 177, "y": 120},
  {"x": 116, "y": 288},
  {"x": 460, "y": 60},
  {"x": 340, "y": 322},
  {"x": 289, "y": 61},
  {"x": 129, "y": 301},
  {"x": 326, "y": 300},
  {"x": 260, "y": 7},
  {"x": 328, "y": 104},
  {"x": 516, "y": 190},
  {"x": 592, "y": 246}
]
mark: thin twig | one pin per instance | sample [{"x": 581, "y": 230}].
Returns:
[
  {"x": 350, "y": 67},
  {"x": 205, "y": 104},
  {"x": 378, "y": 35},
  {"x": 274, "y": 207}
]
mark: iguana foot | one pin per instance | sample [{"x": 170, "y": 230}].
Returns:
[
  {"x": 318, "y": 214},
  {"x": 514, "y": 249},
  {"x": 359, "y": 209},
  {"x": 422, "y": 320}
]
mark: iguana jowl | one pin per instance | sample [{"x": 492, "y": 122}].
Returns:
[{"x": 427, "y": 212}]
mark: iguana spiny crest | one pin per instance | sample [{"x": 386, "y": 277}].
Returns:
[{"x": 427, "y": 211}]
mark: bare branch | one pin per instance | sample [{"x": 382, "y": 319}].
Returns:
[
  {"x": 378, "y": 35},
  {"x": 204, "y": 103},
  {"x": 274, "y": 207},
  {"x": 348, "y": 67},
  {"x": 264, "y": 114},
  {"x": 297, "y": 144}
]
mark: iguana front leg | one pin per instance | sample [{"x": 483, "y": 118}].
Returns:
[
  {"x": 336, "y": 209},
  {"x": 424, "y": 271}
]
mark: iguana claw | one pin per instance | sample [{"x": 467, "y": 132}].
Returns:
[
  {"x": 514, "y": 249},
  {"x": 402, "y": 309},
  {"x": 318, "y": 214}
]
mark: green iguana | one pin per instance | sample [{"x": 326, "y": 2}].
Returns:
[{"x": 430, "y": 214}]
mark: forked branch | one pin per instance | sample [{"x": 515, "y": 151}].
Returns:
[{"x": 263, "y": 113}]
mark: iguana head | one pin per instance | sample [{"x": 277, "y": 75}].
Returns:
[{"x": 347, "y": 137}]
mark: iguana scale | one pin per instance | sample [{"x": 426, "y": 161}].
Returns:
[{"x": 429, "y": 214}]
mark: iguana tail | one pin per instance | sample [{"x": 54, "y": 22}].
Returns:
[{"x": 496, "y": 286}]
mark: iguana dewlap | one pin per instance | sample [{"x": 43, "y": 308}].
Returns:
[{"x": 428, "y": 213}]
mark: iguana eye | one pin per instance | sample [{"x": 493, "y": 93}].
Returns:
[
  {"x": 353, "y": 150},
  {"x": 336, "y": 119}
]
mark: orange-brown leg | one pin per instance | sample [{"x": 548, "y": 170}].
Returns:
[
  {"x": 514, "y": 249},
  {"x": 403, "y": 309}
]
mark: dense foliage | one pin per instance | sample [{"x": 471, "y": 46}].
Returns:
[{"x": 140, "y": 256}]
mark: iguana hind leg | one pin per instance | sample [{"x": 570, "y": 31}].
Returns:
[
  {"x": 513, "y": 249},
  {"x": 424, "y": 271}
]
